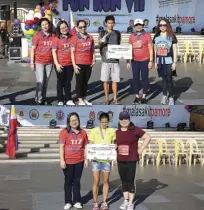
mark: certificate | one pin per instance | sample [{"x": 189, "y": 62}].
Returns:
[
  {"x": 119, "y": 52},
  {"x": 101, "y": 152}
]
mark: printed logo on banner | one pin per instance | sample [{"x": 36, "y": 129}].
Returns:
[
  {"x": 47, "y": 115},
  {"x": 34, "y": 114},
  {"x": 92, "y": 115},
  {"x": 60, "y": 115},
  {"x": 21, "y": 115},
  {"x": 96, "y": 23},
  {"x": 110, "y": 113}
]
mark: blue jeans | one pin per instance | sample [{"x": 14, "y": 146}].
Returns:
[
  {"x": 101, "y": 166},
  {"x": 140, "y": 67},
  {"x": 72, "y": 175}
]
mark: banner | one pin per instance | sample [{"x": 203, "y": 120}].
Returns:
[
  {"x": 140, "y": 114},
  {"x": 186, "y": 13}
]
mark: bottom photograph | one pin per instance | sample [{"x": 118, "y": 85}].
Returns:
[{"x": 143, "y": 157}]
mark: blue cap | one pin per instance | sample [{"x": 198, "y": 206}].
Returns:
[{"x": 124, "y": 115}]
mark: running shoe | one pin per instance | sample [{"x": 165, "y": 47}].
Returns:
[
  {"x": 164, "y": 100},
  {"x": 78, "y": 205},
  {"x": 67, "y": 206},
  {"x": 130, "y": 206},
  {"x": 171, "y": 101},
  {"x": 124, "y": 205}
]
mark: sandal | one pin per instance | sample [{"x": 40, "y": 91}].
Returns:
[{"x": 116, "y": 101}]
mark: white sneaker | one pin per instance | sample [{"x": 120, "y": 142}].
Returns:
[
  {"x": 67, "y": 206},
  {"x": 70, "y": 103},
  {"x": 124, "y": 205},
  {"x": 81, "y": 103},
  {"x": 60, "y": 103},
  {"x": 87, "y": 102},
  {"x": 164, "y": 100},
  {"x": 130, "y": 206},
  {"x": 78, "y": 206},
  {"x": 171, "y": 101}
]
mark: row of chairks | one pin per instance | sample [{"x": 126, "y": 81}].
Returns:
[{"x": 175, "y": 152}]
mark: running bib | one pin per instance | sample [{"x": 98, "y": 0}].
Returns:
[
  {"x": 123, "y": 150},
  {"x": 138, "y": 44},
  {"x": 162, "y": 51}
]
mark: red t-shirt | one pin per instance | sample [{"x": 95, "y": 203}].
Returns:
[
  {"x": 127, "y": 144},
  {"x": 63, "y": 46},
  {"x": 140, "y": 46},
  {"x": 43, "y": 50},
  {"x": 74, "y": 145},
  {"x": 84, "y": 49}
]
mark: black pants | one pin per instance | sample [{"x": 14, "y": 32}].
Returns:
[
  {"x": 140, "y": 67},
  {"x": 168, "y": 81},
  {"x": 64, "y": 83},
  {"x": 82, "y": 80},
  {"x": 72, "y": 183},
  {"x": 127, "y": 172}
]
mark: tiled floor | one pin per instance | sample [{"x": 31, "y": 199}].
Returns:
[{"x": 40, "y": 187}]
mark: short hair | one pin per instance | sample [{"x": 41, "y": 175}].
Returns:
[
  {"x": 104, "y": 115},
  {"x": 109, "y": 17},
  {"x": 81, "y": 21}
]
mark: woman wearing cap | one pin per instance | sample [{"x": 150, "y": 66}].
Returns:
[
  {"x": 101, "y": 135},
  {"x": 73, "y": 140},
  {"x": 142, "y": 62},
  {"x": 165, "y": 45},
  {"x": 127, "y": 137}
]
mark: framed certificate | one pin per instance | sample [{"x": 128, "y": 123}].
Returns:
[
  {"x": 101, "y": 152},
  {"x": 119, "y": 52}
]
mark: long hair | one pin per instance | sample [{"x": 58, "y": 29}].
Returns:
[
  {"x": 68, "y": 120},
  {"x": 58, "y": 32},
  {"x": 131, "y": 126},
  {"x": 169, "y": 30},
  {"x": 49, "y": 23}
]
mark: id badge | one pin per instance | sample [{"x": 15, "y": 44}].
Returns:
[
  {"x": 138, "y": 44},
  {"x": 162, "y": 51},
  {"x": 123, "y": 150}
]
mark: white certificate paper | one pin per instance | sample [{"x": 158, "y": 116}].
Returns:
[
  {"x": 101, "y": 152},
  {"x": 120, "y": 52}
]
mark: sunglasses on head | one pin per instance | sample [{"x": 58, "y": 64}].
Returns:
[
  {"x": 80, "y": 27},
  {"x": 160, "y": 25}
]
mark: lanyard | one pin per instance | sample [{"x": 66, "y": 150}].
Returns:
[{"x": 102, "y": 136}]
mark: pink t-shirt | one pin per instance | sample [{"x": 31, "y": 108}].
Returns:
[{"x": 140, "y": 44}]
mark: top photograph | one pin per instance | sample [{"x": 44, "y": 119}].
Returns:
[{"x": 99, "y": 52}]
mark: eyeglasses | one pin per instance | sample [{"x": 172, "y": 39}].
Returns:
[
  {"x": 73, "y": 121},
  {"x": 164, "y": 25},
  {"x": 63, "y": 29},
  {"x": 81, "y": 27}
]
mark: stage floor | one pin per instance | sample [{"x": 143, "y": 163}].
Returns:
[
  {"x": 17, "y": 85},
  {"x": 40, "y": 187}
]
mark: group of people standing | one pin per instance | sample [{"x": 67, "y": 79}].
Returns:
[
  {"x": 73, "y": 158},
  {"x": 75, "y": 53}
]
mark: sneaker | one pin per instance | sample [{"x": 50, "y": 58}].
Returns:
[
  {"x": 104, "y": 206},
  {"x": 78, "y": 205},
  {"x": 164, "y": 100},
  {"x": 81, "y": 103},
  {"x": 67, "y": 206},
  {"x": 171, "y": 101},
  {"x": 124, "y": 205},
  {"x": 143, "y": 101},
  {"x": 60, "y": 103},
  {"x": 70, "y": 103},
  {"x": 95, "y": 206},
  {"x": 87, "y": 102},
  {"x": 130, "y": 206},
  {"x": 136, "y": 101}
]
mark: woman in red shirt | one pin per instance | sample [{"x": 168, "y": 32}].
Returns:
[
  {"x": 83, "y": 59},
  {"x": 73, "y": 142},
  {"x": 61, "y": 50},
  {"x": 41, "y": 59},
  {"x": 127, "y": 137}
]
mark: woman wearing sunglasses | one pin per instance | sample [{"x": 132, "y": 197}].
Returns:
[
  {"x": 61, "y": 50},
  {"x": 127, "y": 137},
  {"x": 83, "y": 59},
  {"x": 165, "y": 47}
]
